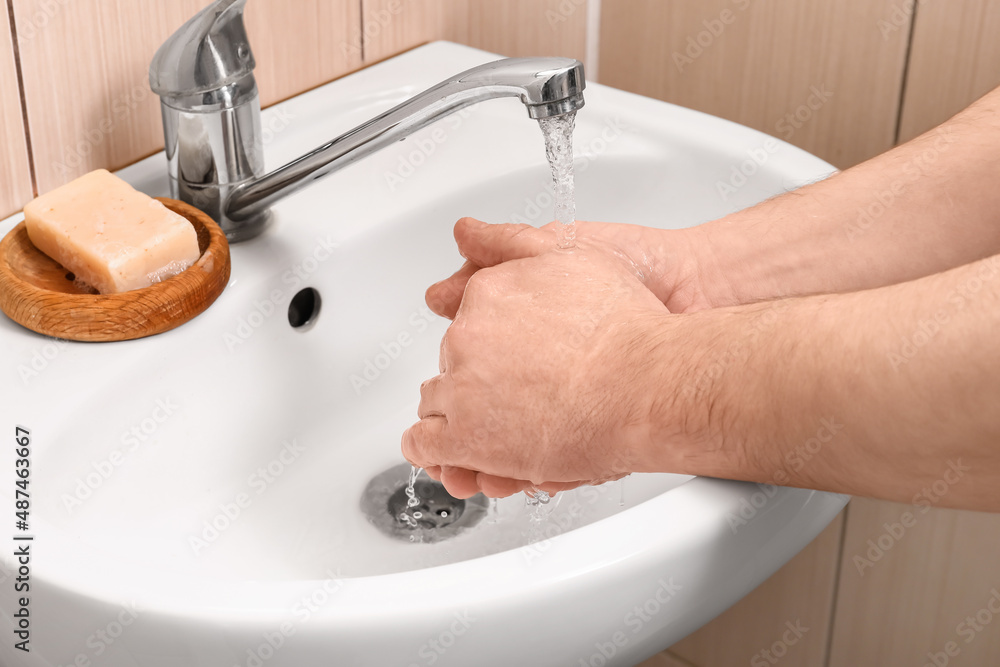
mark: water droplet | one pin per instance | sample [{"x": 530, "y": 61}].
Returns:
[{"x": 411, "y": 492}]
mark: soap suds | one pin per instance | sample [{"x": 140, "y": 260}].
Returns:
[{"x": 168, "y": 271}]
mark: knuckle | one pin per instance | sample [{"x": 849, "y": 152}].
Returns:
[
  {"x": 485, "y": 280},
  {"x": 455, "y": 339}
]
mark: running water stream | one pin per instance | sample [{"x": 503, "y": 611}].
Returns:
[
  {"x": 410, "y": 515},
  {"x": 558, "y": 132}
]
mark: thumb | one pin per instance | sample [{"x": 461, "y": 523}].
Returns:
[{"x": 485, "y": 245}]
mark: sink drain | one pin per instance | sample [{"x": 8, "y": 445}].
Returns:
[{"x": 437, "y": 517}]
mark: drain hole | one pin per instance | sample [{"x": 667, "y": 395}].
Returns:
[
  {"x": 437, "y": 507},
  {"x": 304, "y": 308},
  {"x": 437, "y": 517}
]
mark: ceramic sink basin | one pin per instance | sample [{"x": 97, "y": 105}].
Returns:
[{"x": 196, "y": 496}]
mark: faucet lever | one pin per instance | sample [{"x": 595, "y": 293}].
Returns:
[{"x": 209, "y": 52}]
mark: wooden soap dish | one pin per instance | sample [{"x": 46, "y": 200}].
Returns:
[{"x": 38, "y": 293}]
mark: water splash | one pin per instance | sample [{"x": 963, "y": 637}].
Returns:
[
  {"x": 538, "y": 504},
  {"x": 558, "y": 133},
  {"x": 411, "y": 492},
  {"x": 411, "y": 516}
]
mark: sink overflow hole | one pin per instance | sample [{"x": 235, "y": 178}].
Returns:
[{"x": 304, "y": 308}]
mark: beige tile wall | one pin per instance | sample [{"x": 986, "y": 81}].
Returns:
[
  {"x": 816, "y": 73},
  {"x": 955, "y": 59},
  {"x": 15, "y": 179},
  {"x": 911, "y": 586},
  {"x": 543, "y": 27}
]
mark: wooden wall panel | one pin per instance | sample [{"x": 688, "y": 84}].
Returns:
[
  {"x": 954, "y": 59},
  {"x": 15, "y": 178},
  {"x": 922, "y": 585},
  {"x": 757, "y": 62},
  {"x": 800, "y": 594},
  {"x": 85, "y": 67},
  {"x": 301, "y": 45},
  {"x": 530, "y": 27},
  {"x": 507, "y": 27},
  {"x": 393, "y": 26}
]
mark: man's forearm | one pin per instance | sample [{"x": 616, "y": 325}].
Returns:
[
  {"x": 927, "y": 206},
  {"x": 878, "y": 393}
]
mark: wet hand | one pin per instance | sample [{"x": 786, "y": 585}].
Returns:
[
  {"x": 665, "y": 261},
  {"x": 544, "y": 373}
]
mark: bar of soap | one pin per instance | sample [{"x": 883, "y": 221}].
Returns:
[{"x": 111, "y": 236}]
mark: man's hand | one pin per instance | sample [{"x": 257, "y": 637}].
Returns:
[
  {"x": 665, "y": 261},
  {"x": 543, "y": 372}
]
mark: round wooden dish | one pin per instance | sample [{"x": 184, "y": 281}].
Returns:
[{"x": 38, "y": 293}]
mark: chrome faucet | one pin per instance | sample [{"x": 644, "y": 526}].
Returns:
[{"x": 211, "y": 117}]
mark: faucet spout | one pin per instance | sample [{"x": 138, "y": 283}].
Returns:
[
  {"x": 547, "y": 86},
  {"x": 203, "y": 74}
]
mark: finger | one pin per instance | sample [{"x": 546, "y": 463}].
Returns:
[
  {"x": 459, "y": 482},
  {"x": 552, "y": 488},
  {"x": 445, "y": 296},
  {"x": 433, "y": 397},
  {"x": 422, "y": 443},
  {"x": 485, "y": 245},
  {"x": 443, "y": 353},
  {"x": 434, "y": 472},
  {"x": 500, "y": 487}
]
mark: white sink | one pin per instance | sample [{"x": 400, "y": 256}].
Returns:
[{"x": 139, "y": 446}]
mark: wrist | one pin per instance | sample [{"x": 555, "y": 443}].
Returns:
[
  {"x": 705, "y": 396},
  {"x": 690, "y": 276}
]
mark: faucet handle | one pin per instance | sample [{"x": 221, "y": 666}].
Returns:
[{"x": 208, "y": 53}]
